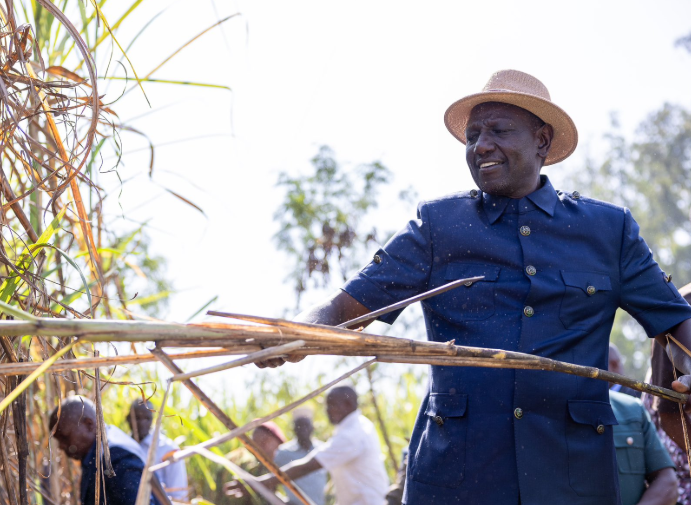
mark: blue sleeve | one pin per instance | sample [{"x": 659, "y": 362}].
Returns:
[
  {"x": 646, "y": 292},
  {"x": 398, "y": 271},
  {"x": 122, "y": 489}
]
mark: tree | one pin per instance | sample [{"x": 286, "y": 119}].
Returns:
[
  {"x": 321, "y": 218},
  {"x": 649, "y": 174}
]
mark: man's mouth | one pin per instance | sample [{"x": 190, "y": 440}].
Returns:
[{"x": 489, "y": 164}]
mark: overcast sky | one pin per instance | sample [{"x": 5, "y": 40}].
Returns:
[{"x": 370, "y": 79}]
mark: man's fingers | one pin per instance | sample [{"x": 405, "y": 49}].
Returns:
[
  {"x": 270, "y": 363},
  {"x": 682, "y": 384},
  {"x": 294, "y": 358}
]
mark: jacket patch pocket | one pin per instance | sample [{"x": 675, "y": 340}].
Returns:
[
  {"x": 472, "y": 302},
  {"x": 585, "y": 299},
  {"x": 630, "y": 452},
  {"x": 589, "y": 440},
  {"x": 439, "y": 460}
]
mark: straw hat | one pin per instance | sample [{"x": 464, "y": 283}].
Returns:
[{"x": 525, "y": 91}]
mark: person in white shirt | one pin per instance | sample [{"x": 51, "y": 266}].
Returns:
[
  {"x": 173, "y": 477},
  {"x": 352, "y": 455}
]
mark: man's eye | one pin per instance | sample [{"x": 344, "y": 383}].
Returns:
[
  {"x": 499, "y": 132},
  {"x": 471, "y": 138}
]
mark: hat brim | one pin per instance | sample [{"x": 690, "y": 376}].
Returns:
[{"x": 565, "y": 133}]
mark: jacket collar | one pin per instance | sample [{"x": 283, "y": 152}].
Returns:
[{"x": 544, "y": 198}]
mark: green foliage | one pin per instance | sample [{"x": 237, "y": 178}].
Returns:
[
  {"x": 648, "y": 174},
  {"x": 320, "y": 217}
]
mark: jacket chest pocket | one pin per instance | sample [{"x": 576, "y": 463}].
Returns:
[
  {"x": 472, "y": 302},
  {"x": 589, "y": 440},
  {"x": 439, "y": 460},
  {"x": 586, "y": 297},
  {"x": 630, "y": 452}
]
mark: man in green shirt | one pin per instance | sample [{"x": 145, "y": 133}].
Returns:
[{"x": 646, "y": 472}]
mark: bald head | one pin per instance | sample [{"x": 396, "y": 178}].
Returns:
[
  {"x": 140, "y": 419},
  {"x": 340, "y": 402},
  {"x": 75, "y": 426}
]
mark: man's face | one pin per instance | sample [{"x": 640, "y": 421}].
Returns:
[
  {"x": 143, "y": 418},
  {"x": 75, "y": 439},
  {"x": 503, "y": 149},
  {"x": 303, "y": 428}
]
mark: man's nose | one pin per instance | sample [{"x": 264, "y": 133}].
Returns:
[{"x": 483, "y": 144}]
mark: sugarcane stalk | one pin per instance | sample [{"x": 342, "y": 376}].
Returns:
[
  {"x": 250, "y": 358},
  {"x": 8, "y": 369},
  {"x": 543, "y": 364}
]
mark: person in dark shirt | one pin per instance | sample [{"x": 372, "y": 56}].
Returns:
[
  {"x": 665, "y": 414},
  {"x": 76, "y": 435}
]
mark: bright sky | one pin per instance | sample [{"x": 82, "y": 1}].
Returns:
[{"x": 372, "y": 80}]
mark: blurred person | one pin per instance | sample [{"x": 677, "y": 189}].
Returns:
[
  {"x": 555, "y": 268},
  {"x": 75, "y": 431},
  {"x": 173, "y": 477},
  {"x": 665, "y": 414},
  {"x": 646, "y": 471},
  {"x": 616, "y": 365},
  {"x": 268, "y": 438},
  {"x": 394, "y": 496},
  {"x": 352, "y": 456},
  {"x": 313, "y": 484}
]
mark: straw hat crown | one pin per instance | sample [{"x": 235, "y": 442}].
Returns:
[{"x": 525, "y": 91}]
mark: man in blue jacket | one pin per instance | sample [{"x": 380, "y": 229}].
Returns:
[
  {"x": 76, "y": 434},
  {"x": 556, "y": 267}
]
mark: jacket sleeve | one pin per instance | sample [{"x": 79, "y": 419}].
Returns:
[{"x": 399, "y": 270}]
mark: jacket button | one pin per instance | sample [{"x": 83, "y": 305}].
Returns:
[
  {"x": 576, "y": 195},
  {"x": 473, "y": 193},
  {"x": 377, "y": 258},
  {"x": 528, "y": 311},
  {"x": 530, "y": 270},
  {"x": 591, "y": 290},
  {"x": 629, "y": 440},
  {"x": 468, "y": 283},
  {"x": 518, "y": 413},
  {"x": 525, "y": 230},
  {"x": 600, "y": 429},
  {"x": 439, "y": 420}
]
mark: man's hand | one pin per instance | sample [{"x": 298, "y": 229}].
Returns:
[
  {"x": 337, "y": 309},
  {"x": 683, "y": 385},
  {"x": 276, "y": 362}
]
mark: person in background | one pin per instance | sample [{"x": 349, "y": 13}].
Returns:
[
  {"x": 665, "y": 414},
  {"x": 173, "y": 477},
  {"x": 313, "y": 484},
  {"x": 75, "y": 426},
  {"x": 352, "y": 455},
  {"x": 646, "y": 472},
  {"x": 268, "y": 437},
  {"x": 616, "y": 365},
  {"x": 394, "y": 496}
]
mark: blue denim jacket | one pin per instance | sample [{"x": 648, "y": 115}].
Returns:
[{"x": 556, "y": 267}]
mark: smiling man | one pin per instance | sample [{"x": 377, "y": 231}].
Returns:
[{"x": 556, "y": 267}]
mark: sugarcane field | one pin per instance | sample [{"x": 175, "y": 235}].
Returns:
[{"x": 357, "y": 253}]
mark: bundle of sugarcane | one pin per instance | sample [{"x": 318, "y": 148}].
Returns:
[{"x": 315, "y": 339}]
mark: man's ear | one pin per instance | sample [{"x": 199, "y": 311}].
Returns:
[
  {"x": 89, "y": 424},
  {"x": 544, "y": 136}
]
